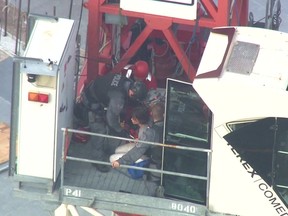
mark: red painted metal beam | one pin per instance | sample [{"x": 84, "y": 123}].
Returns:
[
  {"x": 93, "y": 36},
  {"x": 211, "y": 8},
  {"x": 243, "y": 11},
  {"x": 215, "y": 15},
  {"x": 133, "y": 49},
  {"x": 164, "y": 25},
  {"x": 222, "y": 18},
  {"x": 115, "y": 10},
  {"x": 181, "y": 55}
]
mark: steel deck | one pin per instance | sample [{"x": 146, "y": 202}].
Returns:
[{"x": 84, "y": 174}]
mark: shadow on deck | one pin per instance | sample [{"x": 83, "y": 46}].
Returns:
[{"x": 84, "y": 174}]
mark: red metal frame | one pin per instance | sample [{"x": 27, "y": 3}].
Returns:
[{"x": 216, "y": 15}]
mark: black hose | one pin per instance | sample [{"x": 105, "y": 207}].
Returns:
[{"x": 18, "y": 25}]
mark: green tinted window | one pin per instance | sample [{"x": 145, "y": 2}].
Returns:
[{"x": 188, "y": 121}]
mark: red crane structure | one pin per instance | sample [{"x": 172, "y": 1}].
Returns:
[{"x": 209, "y": 15}]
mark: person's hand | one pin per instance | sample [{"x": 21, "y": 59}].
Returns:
[
  {"x": 115, "y": 164},
  {"x": 123, "y": 125},
  {"x": 78, "y": 99}
]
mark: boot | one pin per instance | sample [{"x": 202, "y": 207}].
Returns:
[{"x": 101, "y": 167}]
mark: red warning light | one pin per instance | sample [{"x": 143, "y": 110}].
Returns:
[{"x": 38, "y": 97}]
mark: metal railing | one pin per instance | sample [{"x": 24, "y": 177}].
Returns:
[{"x": 65, "y": 157}]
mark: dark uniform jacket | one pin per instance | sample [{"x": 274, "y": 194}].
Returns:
[{"x": 111, "y": 91}]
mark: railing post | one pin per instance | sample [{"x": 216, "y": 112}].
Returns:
[{"x": 5, "y": 17}]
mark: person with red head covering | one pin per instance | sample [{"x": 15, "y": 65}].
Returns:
[{"x": 140, "y": 72}]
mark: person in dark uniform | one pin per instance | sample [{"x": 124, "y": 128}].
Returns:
[
  {"x": 140, "y": 71},
  {"x": 108, "y": 94},
  {"x": 100, "y": 106}
]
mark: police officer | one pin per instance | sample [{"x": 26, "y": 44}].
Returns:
[
  {"x": 110, "y": 92},
  {"x": 140, "y": 72}
]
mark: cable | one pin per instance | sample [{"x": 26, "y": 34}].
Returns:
[
  {"x": 276, "y": 19},
  {"x": 188, "y": 49},
  {"x": 80, "y": 16}
]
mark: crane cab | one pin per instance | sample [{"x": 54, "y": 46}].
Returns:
[{"x": 224, "y": 146}]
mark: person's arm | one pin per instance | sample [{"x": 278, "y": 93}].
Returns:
[
  {"x": 134, "y": 154},
  {"x": 140, "y": 148}
]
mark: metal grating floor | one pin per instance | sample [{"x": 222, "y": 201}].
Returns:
[{"x": 83, "y": 174}]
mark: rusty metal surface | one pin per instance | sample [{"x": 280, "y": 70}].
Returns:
[{"x": 4, "y": 142}]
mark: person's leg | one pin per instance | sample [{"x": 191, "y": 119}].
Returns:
[
  {"x": 124, "y": 148},
  {"x": 115, "y": 157},
  {"x": 120, "y": 151},
  {"x": 80, "y": 115},
  {"x": 99, "y": 145}
]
